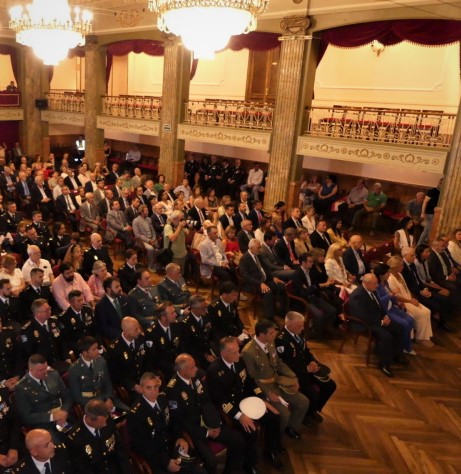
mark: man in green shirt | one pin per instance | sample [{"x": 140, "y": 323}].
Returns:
[{"x": 373, "y": 206}]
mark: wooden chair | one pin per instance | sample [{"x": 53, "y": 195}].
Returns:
[
  {"x": 361, "y": 329},
  {"x": 293, "y": 297},
  {"x": 213, "y": 279},
  {"x": 141, "y": 466},
  {"x": 255, "y": 292}
]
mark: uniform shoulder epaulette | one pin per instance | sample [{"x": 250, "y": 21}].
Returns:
[
  {"x": 112, "y": 345},
  {"x": 55, "y": 318},
  {"x": 171, "y": 383},
  {"x": 27, "y": 324},
  {"x": 136, "y": 407},
  {"x": 215, "y": 303},
  {"x": 87, "y": 250}
]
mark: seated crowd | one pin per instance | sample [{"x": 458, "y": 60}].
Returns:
[{"x": 87, "y": 346}]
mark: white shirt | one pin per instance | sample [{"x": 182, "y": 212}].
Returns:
[
  {"x": 255, "y": 176},
  {"x": 41, "y": 465},
  {"x": 261, "y": 344},
  {"x": 43, "y": 264}
]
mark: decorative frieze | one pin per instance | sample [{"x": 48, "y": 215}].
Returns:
[
  {"x": 67, "y": 118},
  {"x": 141, "y": 127},
  {"x": 417, "y": 158},
  {"x": 11, "y": 114},
  {"x": 233, "y": 137}
]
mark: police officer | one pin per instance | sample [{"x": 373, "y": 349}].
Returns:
[
  {"x": 146, "y": 297},
  {"x": 94, "y": 444},
  {"x": 213, "y": 174},
  {"x": 238, "y": 178},
  {"x": 173, "y": 288},
  {"x": 127, "y": 272},
  {"x": 191, "y": 168},
  {"x": 9, "y": 305},
  {"x": 10, "y": 431},
  {"x": 10, "y": 367},
  {"x": 96, "y": 252}
]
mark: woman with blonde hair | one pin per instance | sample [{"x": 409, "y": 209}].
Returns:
[
  {"x": 336, "y": 270},
  {"x": 74, "y": 256},
  {"x": 302, "y": 241},
  {"x": 96, "y": 280},
  {"x": 11, "y": 272},
  {"x": 454, "y": 246},
  {"x": 225, "y": 200},
  {"x": 420, "y": 313},
  {"x": 231, "y": 245},
  {"x": 308, "y": 221}
]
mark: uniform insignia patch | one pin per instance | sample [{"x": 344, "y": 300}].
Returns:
[
  {"x": 36, "y": 334},
  {"x": 184, "y": 396},
  {"x": 173, "y": 404},
  {"x": 280, "y": 349},
  {"x": 88, "y": 450}
]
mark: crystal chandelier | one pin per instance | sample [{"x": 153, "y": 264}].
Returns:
[
  {"x": 48, "y": 28},
  {"x": 206, "y": 26}
]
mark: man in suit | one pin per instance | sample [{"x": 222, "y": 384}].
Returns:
[
  {"x": 71, "y": 181},
  {"x": 96, "y": 252},
  {"x": 150, "y": 433},
  {"x": 270, "y": 260},
  {"x": 23, "y": 194},
  {"x": 10, "y": 431},
  {"x": 145, "y": 298},
  {"x": 364, "y": 304},
  {"x": 11, "y": 368},
  {"x": 118, "y": 226},
  {"x": 258, "y": 279},
  {"x": 89, "y": 377},
  {"x": 144, "y": 231},
  {"x": 353, "y": 258},
  {"x": 10, "y": 220},
  {"x": 188, "y": 402},
  {"x": 294, "y": 220},
  {"x": 158, "y": 218},
  {"x": 113, "y": 175},
  {"x": 285, "y": 249},
  {"x": 105, "y": 204},
  {"x": 240, "y": 215},
  {"x": 99, "y": 193},
  {"x": 94, "y": 444},
  {"x": 228, "y": 383},
  {"x": 127, "y": 272},
  {"x": 127, "y": 356},
  {"x": 89, "y": 215},
  {"x": 245, "y": 235},
  {"x": 34, "y": 291},
  {"x": 124, "y": 199},
  {"x": 91, "y": 185},
  {"x": 41, "y": 227},
  {"x": 66, "y": 205},
  {"x": 131, "y": 212},
  {"x": 227, "y": 219},
  {"x": 198, "y": 213},
  {"x": 42, "y": 399},
  {"x": 264, "y": 365},
  {"x": 321, "y": 311},
  {"x": 9, "y": 305},
  {"x": 167, "y": 338},
  {"x": 173, "y": 288},
  {"x": 319, "y": 238},
  {"x": 292, "y": 349},
  {"x": 44, "y": 453},
  {"x": 8, "y": 182},
  {"x": 41, "y": 196},
  {"x": 110, "y": 309},
  {"x": 256, "y": 215}
]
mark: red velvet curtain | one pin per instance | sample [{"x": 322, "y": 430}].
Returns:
[
  {"x": 423, "y": 32},
  {"x": 11, "y": 50},
  {"x": 10, "y": 132},
  {"x": 255, "y": 41}
]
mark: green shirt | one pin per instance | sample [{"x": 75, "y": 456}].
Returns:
[
  {"x": 179, "y": 245},
  {"x": 376, "y": 200}
]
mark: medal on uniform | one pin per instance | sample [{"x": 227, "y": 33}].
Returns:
[
  {"x": 36, "y": 334},
  {"x": 88, "y": 449},
  {"x": 72, "y": 321},
  {"x": 167, "y": 415},
  {"x": 184, "y": 396},
  {"x": 219, "y": 313},
  {"x": 125, "y": 355},
  {"x": 110, "y": 443},
  {"x": 162, "y": 341},
  {"x": 7, "y": 345},
  {"x": 149, "y": 420}
]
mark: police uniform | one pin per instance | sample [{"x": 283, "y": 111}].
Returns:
[
  {"x": 297, "y": 356},
  {"x": 8, "y": 223},
  {"x": 145, "y": 302},
  {"x": 97, "y": 455},
  {"x": 164, "y": 350},
  {"x": 126, "y": 365},
  {"x": 239, "y": 178},
  {"x": 10, "y": 429},
  {"x": 35, "y": 339},
  {"x": 9, "y": 354},
  {"x": 75, "y": 326},
  {"x": 190, "y": 169},
  {"x": 41, "y": 243},
  {"x": 226, "y": 175},
  {"x": 225, "y": 321},
  {"x": 176, "y": 293},
  {"x": 214, "y": 171},
  {"x": 91, "y": 255},
  {"x": 186, "y": 403},
  {"x": 227, "y": 388},
  {"x": 59, "y": 463},
  {"x": 198, "y": 338},
  {"x": 42, "y": 231},
  {"x": 9, "y": 311},
  {"x": 127, "y": 276}
]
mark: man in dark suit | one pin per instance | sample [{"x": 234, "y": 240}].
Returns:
[
  {"x": 66, "y": 206},
  {"x": 124, "y": 199},
  {"x": 256, "y": 215},
  {"x": 227, "y": 218},
  {"x": 71, "y": 181},
  {"x": 131, "y": 212},
  {"x": 96, "y": 252},
  {"x": 440, "y": 270},
  {"x": 198, "y": 213},
  {"x": 114, "y": 174},
  {"x": 158, "y": 218},
  {"x": 41, "y": 196},
  {"x": 245, "y": 235},
  {"x": 41, "y": 227},
  {"x": 258, "y": 279},
  {"x": 294, "y": 220},
  {"x": 9, "y": 305},
  {"x": 364, "y": 304},
  {"x": 285, "y": 248},
  {"x": 353, "y": 258},
  {"x": 10, "y": 220},
  {"x": 94, "y": 444},
  {"x": 229, "y": 383},
  {"x": 240, "y": 215},
  {"x": 33, "y": 292},
  {"x": 319, "y": 238},
  {"x": 43, "y": 451},
  {"x": 104, "y": 205},
  {"x": 127, "y": 272},
  {"x": 23, "y": 194},
  {"x": 91, "y": 185},
  {"x": 11, "y": 368},
  {"x": 10, "y": 430},
  {"x": 270, "y": 260},
  {"x": 292, "y": 349},
  {"x": 110, "y": 309}
]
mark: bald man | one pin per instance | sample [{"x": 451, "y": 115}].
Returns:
[
  {"x": 96, "y": 252},
  {"x": 44, "y": 456}
]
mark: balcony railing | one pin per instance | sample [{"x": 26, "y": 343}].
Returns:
[
  {"x": 229, "y": 114},
  {"x": 66, "y": 101},
  {"x": 9, "y": 99},
  {"x": 410, "y": 127},
  {"x": 129, "y": 106}
]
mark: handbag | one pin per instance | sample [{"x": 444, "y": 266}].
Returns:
[{"x": 165, "y": 255}]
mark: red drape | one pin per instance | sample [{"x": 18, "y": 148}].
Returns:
[
  {"x": 423, "y": 32},
  {"x": 11, "y": 50},
  {"x": 255, "y": 41},
  {"x": 9, "y": 132}
]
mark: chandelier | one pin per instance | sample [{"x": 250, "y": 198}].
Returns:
[
  {"x": 48, "y": 28},
  {"x": 206, "y": 26}
]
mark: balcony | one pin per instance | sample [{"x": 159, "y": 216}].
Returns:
[{"x": 10, "y": 106}]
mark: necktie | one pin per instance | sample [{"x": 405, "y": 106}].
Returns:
[
  {"x": 117, "y": 306},
  {"x": 79, "y": 315},
  {"x": 200, "y": 323},
  {"x": 168, "y": 334},
  {"x": 90, "y": 367},
  {"x": 132, "y": 346},
  {"x": 97, "y": 433},
  {"x": 43, "y": 384},
  {"x": 233, "y": 368},
  {"x": 45, "y": 326},
  {"x": 324, "y": 238},
  {"x": 298, "y": 339},
  {"x": 258, "y": 264},
  {"x": 69, "y": 208},
  {"x": 373, "y": 297},
  {"x": 415, "y": 273},
  {"x": 308, "y": 278},
  {"x": 47, "y": 468},
  {"x": 7, "y": 301},
  {"x": 26, "y": 188}
]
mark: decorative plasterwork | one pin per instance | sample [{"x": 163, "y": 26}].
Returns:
[
  {"x": 67, "y": 118},
  {"x": 256, "y": 140},
  {"x": 11, "y": 114},
  {"x": 425, "y": 159},
  {"x": 141, "y": 127}
]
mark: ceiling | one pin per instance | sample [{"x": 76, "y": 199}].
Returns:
[{"x": 130, "y": 16}]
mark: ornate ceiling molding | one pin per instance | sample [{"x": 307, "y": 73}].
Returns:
[
  {"x": 140, "y": 127},
  {"x": 67, "y": 118}
]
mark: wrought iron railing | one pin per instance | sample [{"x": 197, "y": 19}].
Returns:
[
  {"x": 130, "y": 106},
  {"x": 229, "y": 114},
  {"x": 66, "y": 101},
  {"x": 410, "y": 127}
]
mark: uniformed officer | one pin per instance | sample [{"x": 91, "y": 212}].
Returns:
[
  {"x": 10, "y": 431},
  {"x": 10, "y": 219},
  {"x": 41, "y": 227},
  {"x": 42, "y": 335},
  {"x": 126, "y": 273},
  {"x": 187, "y": 401},
  {"x": 198, "y": 332},
  {"x": 89, "y": 377},
  {"x": 173, "y": 288},
  {"x": 96, "y": 252},
  {"x": 42, "y": 399},
  {"x": 127, "y": 356},
  {"x": 32, "y": 238},
  {"x": 228, "y": 384},
  {"x": 167, "y": 338},
  {"x": 224, "y": 316},
  {"x": 213, "y": 174},
  {"x": 94, "y": 444},
  {"x": 313, "y": 377},
  {"x": 9, "y": 306},
  {"x": 151, "y": 437},
  {"x": 227, "y": 173},
  {"x": 191, "y": 168},
  {"x": 146, "y": 297},
  {"x": 238, "y": 178},
  {"x": 77, "y": 321},
  {"x": 10, "y": 368}
]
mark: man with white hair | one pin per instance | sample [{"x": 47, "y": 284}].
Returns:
[
  {"x": 198, "y": 214},
  {"x": 372, "y": 206},
  {"x": 89, "y": 214},
  {"x": 96, "y": 252},
  {"x": 35, "y": 261}
]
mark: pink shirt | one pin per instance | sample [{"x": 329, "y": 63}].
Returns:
[{"x": 61, "y": 289}]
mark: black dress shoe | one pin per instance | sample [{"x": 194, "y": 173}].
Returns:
[
  {"x": 273, "y": 458},
  {"x": 386, "y": 370},
  {"x": 292, "y": 433}
]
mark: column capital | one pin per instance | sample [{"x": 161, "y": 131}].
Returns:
[
  {"x": 91, "y": 43},
  {"x": 294, "y": 27}
]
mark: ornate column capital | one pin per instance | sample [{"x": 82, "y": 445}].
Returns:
[
  {"x": 91, "y": 43},
  {"x": 294, "y": 27}
]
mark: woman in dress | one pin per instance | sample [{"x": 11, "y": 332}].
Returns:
[
  {"x": 336, "y": 270},
  {"x": 276, "y": 225},
  {"x": 335, "y": 232},
  {"x": 264, "y": 226},
  {"x": 302, "y": 241},
  {"x": 308, "y": 221},
  {"x": 454, "y": 246},
  {"x": 211, "y": 205},
  {"x": 403, "y": 236},
  {"x": 420, "y": 313},
  {"x": 158, "y": 186},
  {"x": 96, "y": 280},
  {"x": 393, "y": 308},
  {"x": 326, "y": 196},
  {"x": 225, "y": 200},
  {"x": 167, "y": 203},
  {"x": 231, "y": 245},
  {"x": 10, "y": 271}
]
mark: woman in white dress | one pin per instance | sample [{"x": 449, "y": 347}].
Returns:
[
  {"x": 308, "y": 220},
  {"x": 420, "y": 313},
  {"x": 454, "y": 246},
  {"x": 336, "y": 270},
  {"x": 403, "y": 237}
]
